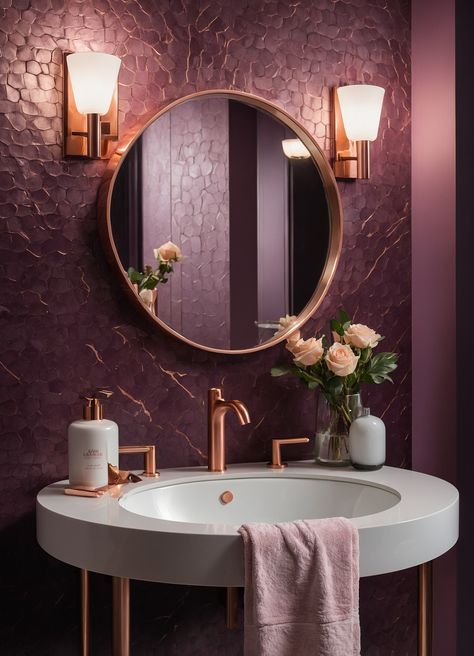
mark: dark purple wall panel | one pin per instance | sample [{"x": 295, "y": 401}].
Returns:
[{"x": 67, "y": 328}]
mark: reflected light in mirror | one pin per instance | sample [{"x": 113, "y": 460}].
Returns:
[
  {"x": 93, "y": 79},
  {"x": 361, "y": 106},
  {"x": 295, "y": 149}
]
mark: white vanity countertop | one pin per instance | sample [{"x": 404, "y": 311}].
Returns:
[{"x": 101, "y": 535}]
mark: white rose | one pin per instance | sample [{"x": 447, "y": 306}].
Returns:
[
  {"x": 361, "y": 336},
  {"x": 168, "y": 252},
  {"x": 307, "y": 351},
  {"x": 341, "y": 359}
]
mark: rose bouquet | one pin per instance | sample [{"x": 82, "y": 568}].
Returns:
[
  {"x": 340, "y": 369},
  {"x": 147, "y": 281}
]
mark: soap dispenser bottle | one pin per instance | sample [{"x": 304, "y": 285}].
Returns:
[
  {"x": 93, "y": 443},
  {"x": 367, "y": 442}
]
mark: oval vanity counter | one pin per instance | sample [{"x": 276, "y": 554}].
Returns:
[{"x": 182, "y": 528}]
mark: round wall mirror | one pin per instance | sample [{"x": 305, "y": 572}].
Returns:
[{"x": 221, "y": 216}]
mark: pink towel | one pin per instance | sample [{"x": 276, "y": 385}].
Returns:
[{"x": 302, "y": 588}]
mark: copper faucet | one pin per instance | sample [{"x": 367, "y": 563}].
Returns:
[
  {"x": 217, "y": 410},
  {"x": 276, "y": 462}
]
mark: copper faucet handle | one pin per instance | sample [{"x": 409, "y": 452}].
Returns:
[
  {"x": 149, "y": 452},
  {"x": 276, "y": 462}
]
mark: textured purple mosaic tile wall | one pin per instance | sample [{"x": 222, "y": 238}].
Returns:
[
  {"x": 66, "y": 327},
  {"x": 190, "y": 187}
]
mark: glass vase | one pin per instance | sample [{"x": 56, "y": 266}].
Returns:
[{"x": 332, "y": 430}]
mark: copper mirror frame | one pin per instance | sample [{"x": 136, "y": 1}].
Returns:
[{"x": 330, "y": 188}]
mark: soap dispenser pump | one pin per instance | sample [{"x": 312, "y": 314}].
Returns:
[{"x": 93, "y": 443}]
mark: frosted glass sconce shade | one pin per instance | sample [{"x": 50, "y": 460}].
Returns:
[
  {"x": 357, "y": 110},
  {"x": 295, "y": 149},
  {"x": 361, "y": 106},
  {"x": 91, "y": 103},
  {"x": 93, "y": 79}
]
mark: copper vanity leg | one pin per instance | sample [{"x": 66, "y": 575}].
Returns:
[
  {"x": 85, "y": 611},
  {"x": 121, "y": 616},
  {"x": 232, "y": 608},
  {"x": 425, "y": 609}
]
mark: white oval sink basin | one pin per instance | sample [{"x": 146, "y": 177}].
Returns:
[
  {"x": 177, "y": 529},
  {"x": 281, "y": 499}
]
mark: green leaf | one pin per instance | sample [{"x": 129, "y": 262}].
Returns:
[
  {"x": 351, "y": 380},
  {"x": 135, "y": 276},
  {"x": 381, "y": 366},
  {"x": 280, "y": 371},
  {"x": 151, "y": 282},
  {"x": 334, "y": 386},
  {"x": 364, "y": 355},
  {"x": 344, "y": 318},
  {"x": 336, "y": 327},
  {"x": 313, "y": 385}
]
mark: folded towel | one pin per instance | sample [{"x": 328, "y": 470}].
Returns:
[{"x": 302, "y": 588}]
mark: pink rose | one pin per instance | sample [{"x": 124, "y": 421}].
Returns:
[
  {"x": 293, "y": 338},
  {"x": 341, "y": 359},
  {"x": 307, "y": 351},
  {"x": 361, "y": 336},
  {"x": 168, "y": 252},
  {"x": 336, "y": 337}
]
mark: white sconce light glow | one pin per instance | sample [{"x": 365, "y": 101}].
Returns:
[
  {"x": 361, "y": 106},
  {"x": 91, "y": 91},
  {"x": 357, "y": 111},
  {"x": 295, "y": 149},
  {"x": 93, "y": 79}
]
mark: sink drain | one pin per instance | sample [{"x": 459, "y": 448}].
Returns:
[{"x": 226, "y": 497}]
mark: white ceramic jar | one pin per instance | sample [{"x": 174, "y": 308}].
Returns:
[{"x": 367, "y": 442}]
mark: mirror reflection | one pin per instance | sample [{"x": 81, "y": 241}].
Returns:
[{"x": 220, "y": 231}]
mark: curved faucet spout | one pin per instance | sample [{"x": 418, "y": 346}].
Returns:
[
  {"x": 217, "y": 410},
  {"x": 240, "y": 410}
]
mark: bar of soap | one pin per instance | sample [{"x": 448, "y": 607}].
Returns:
[{"x": 82, "y": 493}]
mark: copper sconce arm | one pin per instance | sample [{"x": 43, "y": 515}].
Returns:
[
  {"x": 276, "y": 462},
  {"x": 149, "y": 452}
]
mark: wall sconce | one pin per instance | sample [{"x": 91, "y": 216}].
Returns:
[
  {"x": 90, "y": 103},
  {"x": 357, "y": 109},
  {"x": 295, "y": 149}
]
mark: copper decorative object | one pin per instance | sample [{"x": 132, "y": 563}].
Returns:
[{"x": 276, "y": 462}]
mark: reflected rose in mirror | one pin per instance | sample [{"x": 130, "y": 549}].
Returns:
[
  {"x": 146, "y": 282},
  {"x": 285, "y": 324},
  {"x": 168, "y": 252}
]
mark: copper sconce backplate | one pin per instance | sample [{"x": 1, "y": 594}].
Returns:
[{"x": 343, "y": 147}]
